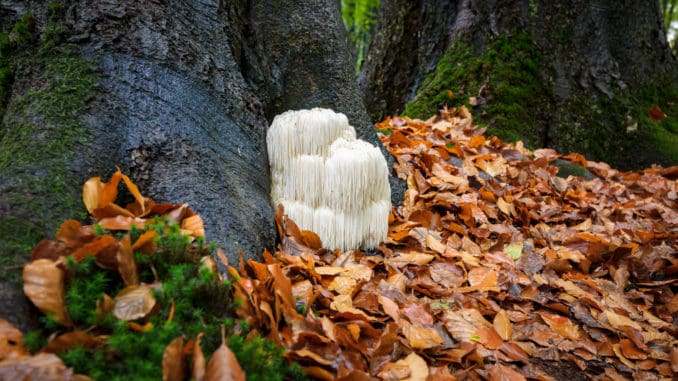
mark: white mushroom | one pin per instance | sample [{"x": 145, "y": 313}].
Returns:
[{"x": 327, "y": 180}]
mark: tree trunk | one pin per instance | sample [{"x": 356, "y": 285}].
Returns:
[
  {"x": 179, "y": 94},
  {"x": 574, "y": 75}
]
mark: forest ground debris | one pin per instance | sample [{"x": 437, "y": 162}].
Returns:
[{"x": 494, "y": 268}]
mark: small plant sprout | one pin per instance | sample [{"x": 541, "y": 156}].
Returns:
[{"x": 327, "y": 180}]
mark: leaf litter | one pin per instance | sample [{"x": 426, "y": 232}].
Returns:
[{"x": 493, "y": 267}]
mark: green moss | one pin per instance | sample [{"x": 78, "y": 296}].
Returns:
[
  {"x": 566, "y": 168},
  {"x": 18, "y": 236},
  {"x": 508, "y": 70},
  {"x": 40, "y": 132}
]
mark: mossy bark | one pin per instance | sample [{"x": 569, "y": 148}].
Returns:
[{"x": 576, "y": 76}]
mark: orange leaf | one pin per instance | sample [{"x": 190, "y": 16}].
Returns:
[
  {"x": 71, "y": 340},
  {"x": 311, "y": 240},
  {"x": 198, "y": 371},
  {"x": 561, "y": 325},
  {"x": 140, "y": 205},
  {"x": 94, "y": 247},
  {"x": 90, "y": 193},
  {"x": 146, "y": 242},
  {"x": 173, "y": 361},
  {"x": 223, "y": 366},
  {"x": 119, "y": 222},
  {"x": 48, "y": 249},
  {"x": 420, "y": 337},
  {"x": 489, "y": 338},
  {"x": 134, "y": 326},
  {"x": 502, "y": 325},
  {"x": 110, "y": 190},
  {"x": 193, "y": 225},
  {"x": 500, "y": 372},
  {"x": 476, "y": 141},
  {"x": 44, "y": 286},
  {"x": 11, "y": 341},
  {"x": 127, "y": 265},
  {"x": 482, "y": 277}
]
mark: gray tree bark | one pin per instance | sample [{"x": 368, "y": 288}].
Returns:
[{"x": 183, "y": 94}]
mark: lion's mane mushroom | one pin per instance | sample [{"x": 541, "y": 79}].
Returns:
[{"x": 327, "y": 180}]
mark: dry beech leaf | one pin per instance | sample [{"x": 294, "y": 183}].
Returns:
[
  {"x": 561, "y": 325},
  {"x": 500, "y": 372},
  {"x": 90, "y": 193},
  {"x": 133, "y": 302},
  {"x": 146, "y": 242},
  {"x": 71, "y": 340},
  {"x": 482, "y": 277},
  {"x": 198, "y": 361},
  {"x": 11, "y": 341},
  {"x": 173, "y": 361},
  {"x": 420, "y": 337},
  {"x": 418, "y": 367},
  {"x": 43, "y": 367},
  {"x": 93, "y": 248},
  {"x": 223, "y": 366},
  {"x": 311, "y": 240},
  {"x": 194, "y": 226},
  {"x": 127, "y": 265},
  {"x": 489, "y": 338},
  {"x": 502, "y": 325},
  {"x": 44, "y": 286},
  {"x": 104, "y": 306},
  {"x": 121, "y": 222}
]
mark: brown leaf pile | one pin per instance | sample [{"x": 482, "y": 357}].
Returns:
[{"x": 495, "y": 268}]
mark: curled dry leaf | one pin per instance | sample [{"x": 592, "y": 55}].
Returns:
[
  {"x": 44, "y": 286},
  {"x": 133, "y": 302},
  {"x": 193, "y": 226},
  {"x": 173, "y": 361},
  {"x": 127, "y": 265}
]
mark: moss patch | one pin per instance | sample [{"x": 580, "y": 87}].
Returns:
[
  {"x": 508, "y": 71},
  {"x": 510, "y": 79},
  {"x": 41, "y": 131}
]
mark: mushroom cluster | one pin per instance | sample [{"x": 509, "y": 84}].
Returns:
[{"x": 328, "y": 181}]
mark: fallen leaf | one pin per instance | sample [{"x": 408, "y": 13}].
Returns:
[
  {"x": 43, "y": 367},
  {"x": 44, "y": 286},
  {"x": 499, "y": 372},
  {"x": 173, "y": 361},
  {"x": 11, "y": 341},
  {"x": 223, "y": 366},
  {"x": 71, "y": 340},
  {"x": 502, "y": 325},
  {"x": 561, "y": 325},
  {"x": 420, "y": 337},
  {"x": 198, "y": 361},
  {"x": 133, "y": 302}
]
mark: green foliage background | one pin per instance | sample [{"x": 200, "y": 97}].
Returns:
[{"x": 359, "y": 18}]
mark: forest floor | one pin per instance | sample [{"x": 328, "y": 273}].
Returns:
[{"x": 495, "y": 267}]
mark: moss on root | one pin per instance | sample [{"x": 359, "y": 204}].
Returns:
[
  {"x": 41, "y": 131},
  {"x": 507, "y": 71},
  {"x": 511, "y": 81}
]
